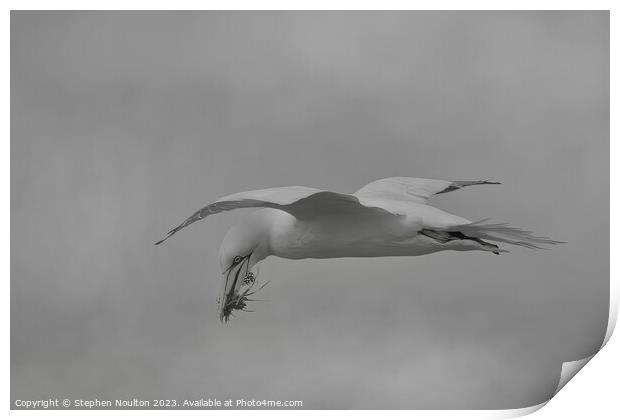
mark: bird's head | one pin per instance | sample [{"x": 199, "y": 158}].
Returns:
[{"x": 242, "y": 248}]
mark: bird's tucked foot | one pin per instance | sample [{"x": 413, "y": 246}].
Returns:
[{"x": 445, "y": 237}]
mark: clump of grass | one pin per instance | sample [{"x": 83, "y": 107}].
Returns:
[{"x": 239, "y": 302}]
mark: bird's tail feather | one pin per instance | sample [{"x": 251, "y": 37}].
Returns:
[{"x": 502, "y": 232}]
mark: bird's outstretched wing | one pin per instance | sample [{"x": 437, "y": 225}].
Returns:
[
  {"x": 418, "y": 190},
  {"x": 301, "y": 202}
]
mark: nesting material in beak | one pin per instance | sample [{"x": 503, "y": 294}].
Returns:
[{"x": 239, "y": 285}]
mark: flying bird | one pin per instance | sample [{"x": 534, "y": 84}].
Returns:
[{"x": 388, "y": 217}]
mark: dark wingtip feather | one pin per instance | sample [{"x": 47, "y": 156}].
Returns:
[
  {"x": 169, "y": 234},
  {"x": 456, "y": 185}
]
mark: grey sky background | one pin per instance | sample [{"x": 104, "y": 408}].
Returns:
[{"x": 125, "y": 123}]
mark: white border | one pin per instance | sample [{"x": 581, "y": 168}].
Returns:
[{"x": 592, "y": 395}]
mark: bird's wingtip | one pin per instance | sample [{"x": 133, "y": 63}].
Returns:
[{"x": 162, "y": 240}]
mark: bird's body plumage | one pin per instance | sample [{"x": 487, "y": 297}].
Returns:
[
  {"x": 378, "y": 235},
  {"x": 389, "y": 217}
]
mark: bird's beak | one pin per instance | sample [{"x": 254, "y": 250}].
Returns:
[{"x": 238, "y": 282}]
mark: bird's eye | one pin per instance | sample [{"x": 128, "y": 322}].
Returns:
[{"x": 237, "y": 259}]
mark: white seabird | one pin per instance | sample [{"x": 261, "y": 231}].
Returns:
[{"x": 388, "y": 217}]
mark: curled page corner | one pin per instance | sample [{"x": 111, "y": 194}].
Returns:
[{"x": 571, "y": 368}]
